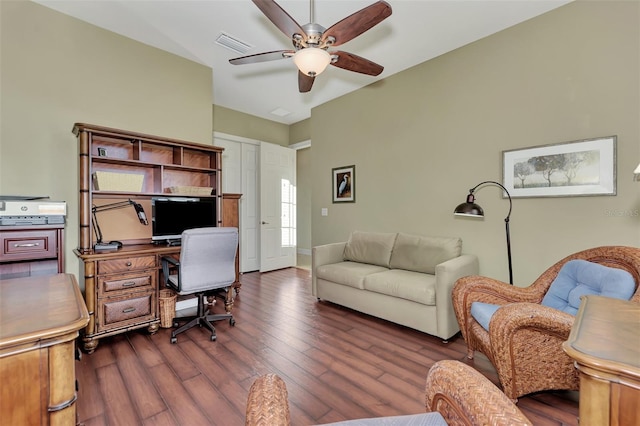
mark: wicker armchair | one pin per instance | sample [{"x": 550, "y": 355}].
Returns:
[
  {"x": 524, "y": 342},
  {"x": 459, "y": 393}
]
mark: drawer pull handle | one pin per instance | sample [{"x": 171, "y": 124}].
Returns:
[
  {"x": 27, "y": 245},
  {"x": 128, "y": 264},
  {"x": 63, "y": 405},
  {"x": 126, "y": 311},
  {"x": 129, "y": 284}
]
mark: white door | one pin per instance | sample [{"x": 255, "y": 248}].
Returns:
[
  {"x": 240, "y": 161},
  {"x": 277, "y": 207},
  {"x": 250, "y": 212}
]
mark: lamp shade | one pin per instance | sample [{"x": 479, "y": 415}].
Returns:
[
  {"x": 311, "y": 60},
  {"x": 469, "y": 208}
]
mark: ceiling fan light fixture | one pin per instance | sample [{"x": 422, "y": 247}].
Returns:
[{"x": 312, "y": 61}]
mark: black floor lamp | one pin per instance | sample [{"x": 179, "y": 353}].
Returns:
[{"x": 471, "y": 209}]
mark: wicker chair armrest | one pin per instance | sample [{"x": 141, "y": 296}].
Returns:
[
  {"x": 526, "y": 340},
  {"x": 267, "y": 403},
  {"x": 464, "y": 396},
  {"x": 477, "y": 288},
  {"x": 510, "y": 318}
]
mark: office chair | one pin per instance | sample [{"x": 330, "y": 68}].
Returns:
[{"x": 206, "y": 267}]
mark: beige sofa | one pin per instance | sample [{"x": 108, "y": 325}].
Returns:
[{"x": 406, "y": 279}]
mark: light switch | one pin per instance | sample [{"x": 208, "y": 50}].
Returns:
[{"x": 324, "y": 211}]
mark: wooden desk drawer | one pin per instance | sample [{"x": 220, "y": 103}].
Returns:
[
  {"x": 27, "y": 245},
  {"x": 124, "y": 311},
  {"x": 112, "y": 266},
  {"x": 134, "y": 282}
]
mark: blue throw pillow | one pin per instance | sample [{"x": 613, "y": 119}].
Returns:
[{"x": 578, "y": 278}]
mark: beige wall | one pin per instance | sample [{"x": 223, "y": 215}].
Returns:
[
  {"x": 304, "y": 194},
  {"x": 300, "y": 131},
  {"x": 56, "y": 71},
  {"x": 237, "y": 123},
  {"x": 420, "y": 139}
]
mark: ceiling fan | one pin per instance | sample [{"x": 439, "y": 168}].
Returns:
[{"x": 312, "y": 41}]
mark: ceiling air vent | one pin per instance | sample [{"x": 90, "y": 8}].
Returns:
[{"x": 232, "y": 43}]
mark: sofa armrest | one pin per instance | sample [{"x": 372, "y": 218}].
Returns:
[
  {"x": 447, "y": 273},
  {"x": 325, "y": 255}
]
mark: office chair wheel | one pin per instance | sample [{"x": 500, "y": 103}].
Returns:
[
  {"x": 213, "y": 338},
  {"x": 232, "y": 322},
  {"x": 174, "y": 340}
]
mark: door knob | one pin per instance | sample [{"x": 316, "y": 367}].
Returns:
[{"x": 265, "y": 223}]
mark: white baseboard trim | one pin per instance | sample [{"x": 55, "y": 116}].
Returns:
[{"x": 306, "y": 252}]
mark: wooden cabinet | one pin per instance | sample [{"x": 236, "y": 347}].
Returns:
[
  {"x": 39, "y": 322},
  {"x": 121, "y": 292},
  {"x": 605, "y": 344},
  {"x": 231, "y": 218},
  {"x": 31, "y": 250},
  {"x": 121, "y": 286}
]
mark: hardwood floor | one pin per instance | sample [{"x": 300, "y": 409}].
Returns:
[{"x": 338, "y": 364}]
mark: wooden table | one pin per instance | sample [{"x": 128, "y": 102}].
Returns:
[
  {"x": 605, "y": 344},
  {"x": 39, "y": 322}
]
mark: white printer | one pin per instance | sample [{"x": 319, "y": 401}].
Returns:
[{"x": 25, "y": 211}]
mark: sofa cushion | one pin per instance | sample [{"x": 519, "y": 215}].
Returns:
[
  {"x": 422, "y": 254},
  {"x": 351, "y": 274},
  {"x": 414, "y": 286},
  {"x": 579, "y": 278},
  {"x": 373, "y": 248}
]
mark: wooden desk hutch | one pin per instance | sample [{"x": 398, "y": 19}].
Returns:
[{"x": 121, "y": 286}]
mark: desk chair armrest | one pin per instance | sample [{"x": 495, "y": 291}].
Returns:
[{"x": 166, "y": 260}]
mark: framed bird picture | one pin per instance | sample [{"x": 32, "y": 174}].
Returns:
[{"x": 343, "y": 181}]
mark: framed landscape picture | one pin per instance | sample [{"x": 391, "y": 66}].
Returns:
[
  {"x": 579, "y": 168},
  {"x": 343, "y": 182}
]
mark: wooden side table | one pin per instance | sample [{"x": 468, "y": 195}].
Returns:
[
  {"x": 605, "y": 344},
  {"x": 39, "y": 322}
]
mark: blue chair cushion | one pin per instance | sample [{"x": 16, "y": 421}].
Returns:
[
  {"x": 482, "y": 312},
  {"x": 579, "y": 278},
  {"x": 575, "y": 279}
]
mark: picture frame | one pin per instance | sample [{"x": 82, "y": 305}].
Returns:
[
  {"x": 343, "y": 184},
  {"x": 568, "y": 169}
]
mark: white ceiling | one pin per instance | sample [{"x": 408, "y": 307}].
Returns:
[{"x": 417, "y": 31}]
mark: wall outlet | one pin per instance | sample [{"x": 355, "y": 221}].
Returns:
[{"x": 324, "y": 211}]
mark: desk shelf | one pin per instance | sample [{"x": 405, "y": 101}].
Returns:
[{"x": 163, "y": 163}]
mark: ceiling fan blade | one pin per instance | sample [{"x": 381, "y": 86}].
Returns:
[
  {"x": 351, "y": 62},
  {"x": 280, "y": 18},
  {"x": 262, "y": 57},
  {"x": 357, "y": 23},
  {"x": 305, "y": 82}
]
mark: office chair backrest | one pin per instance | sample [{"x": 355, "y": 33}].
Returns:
[{"x": 207, "y": 258}]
